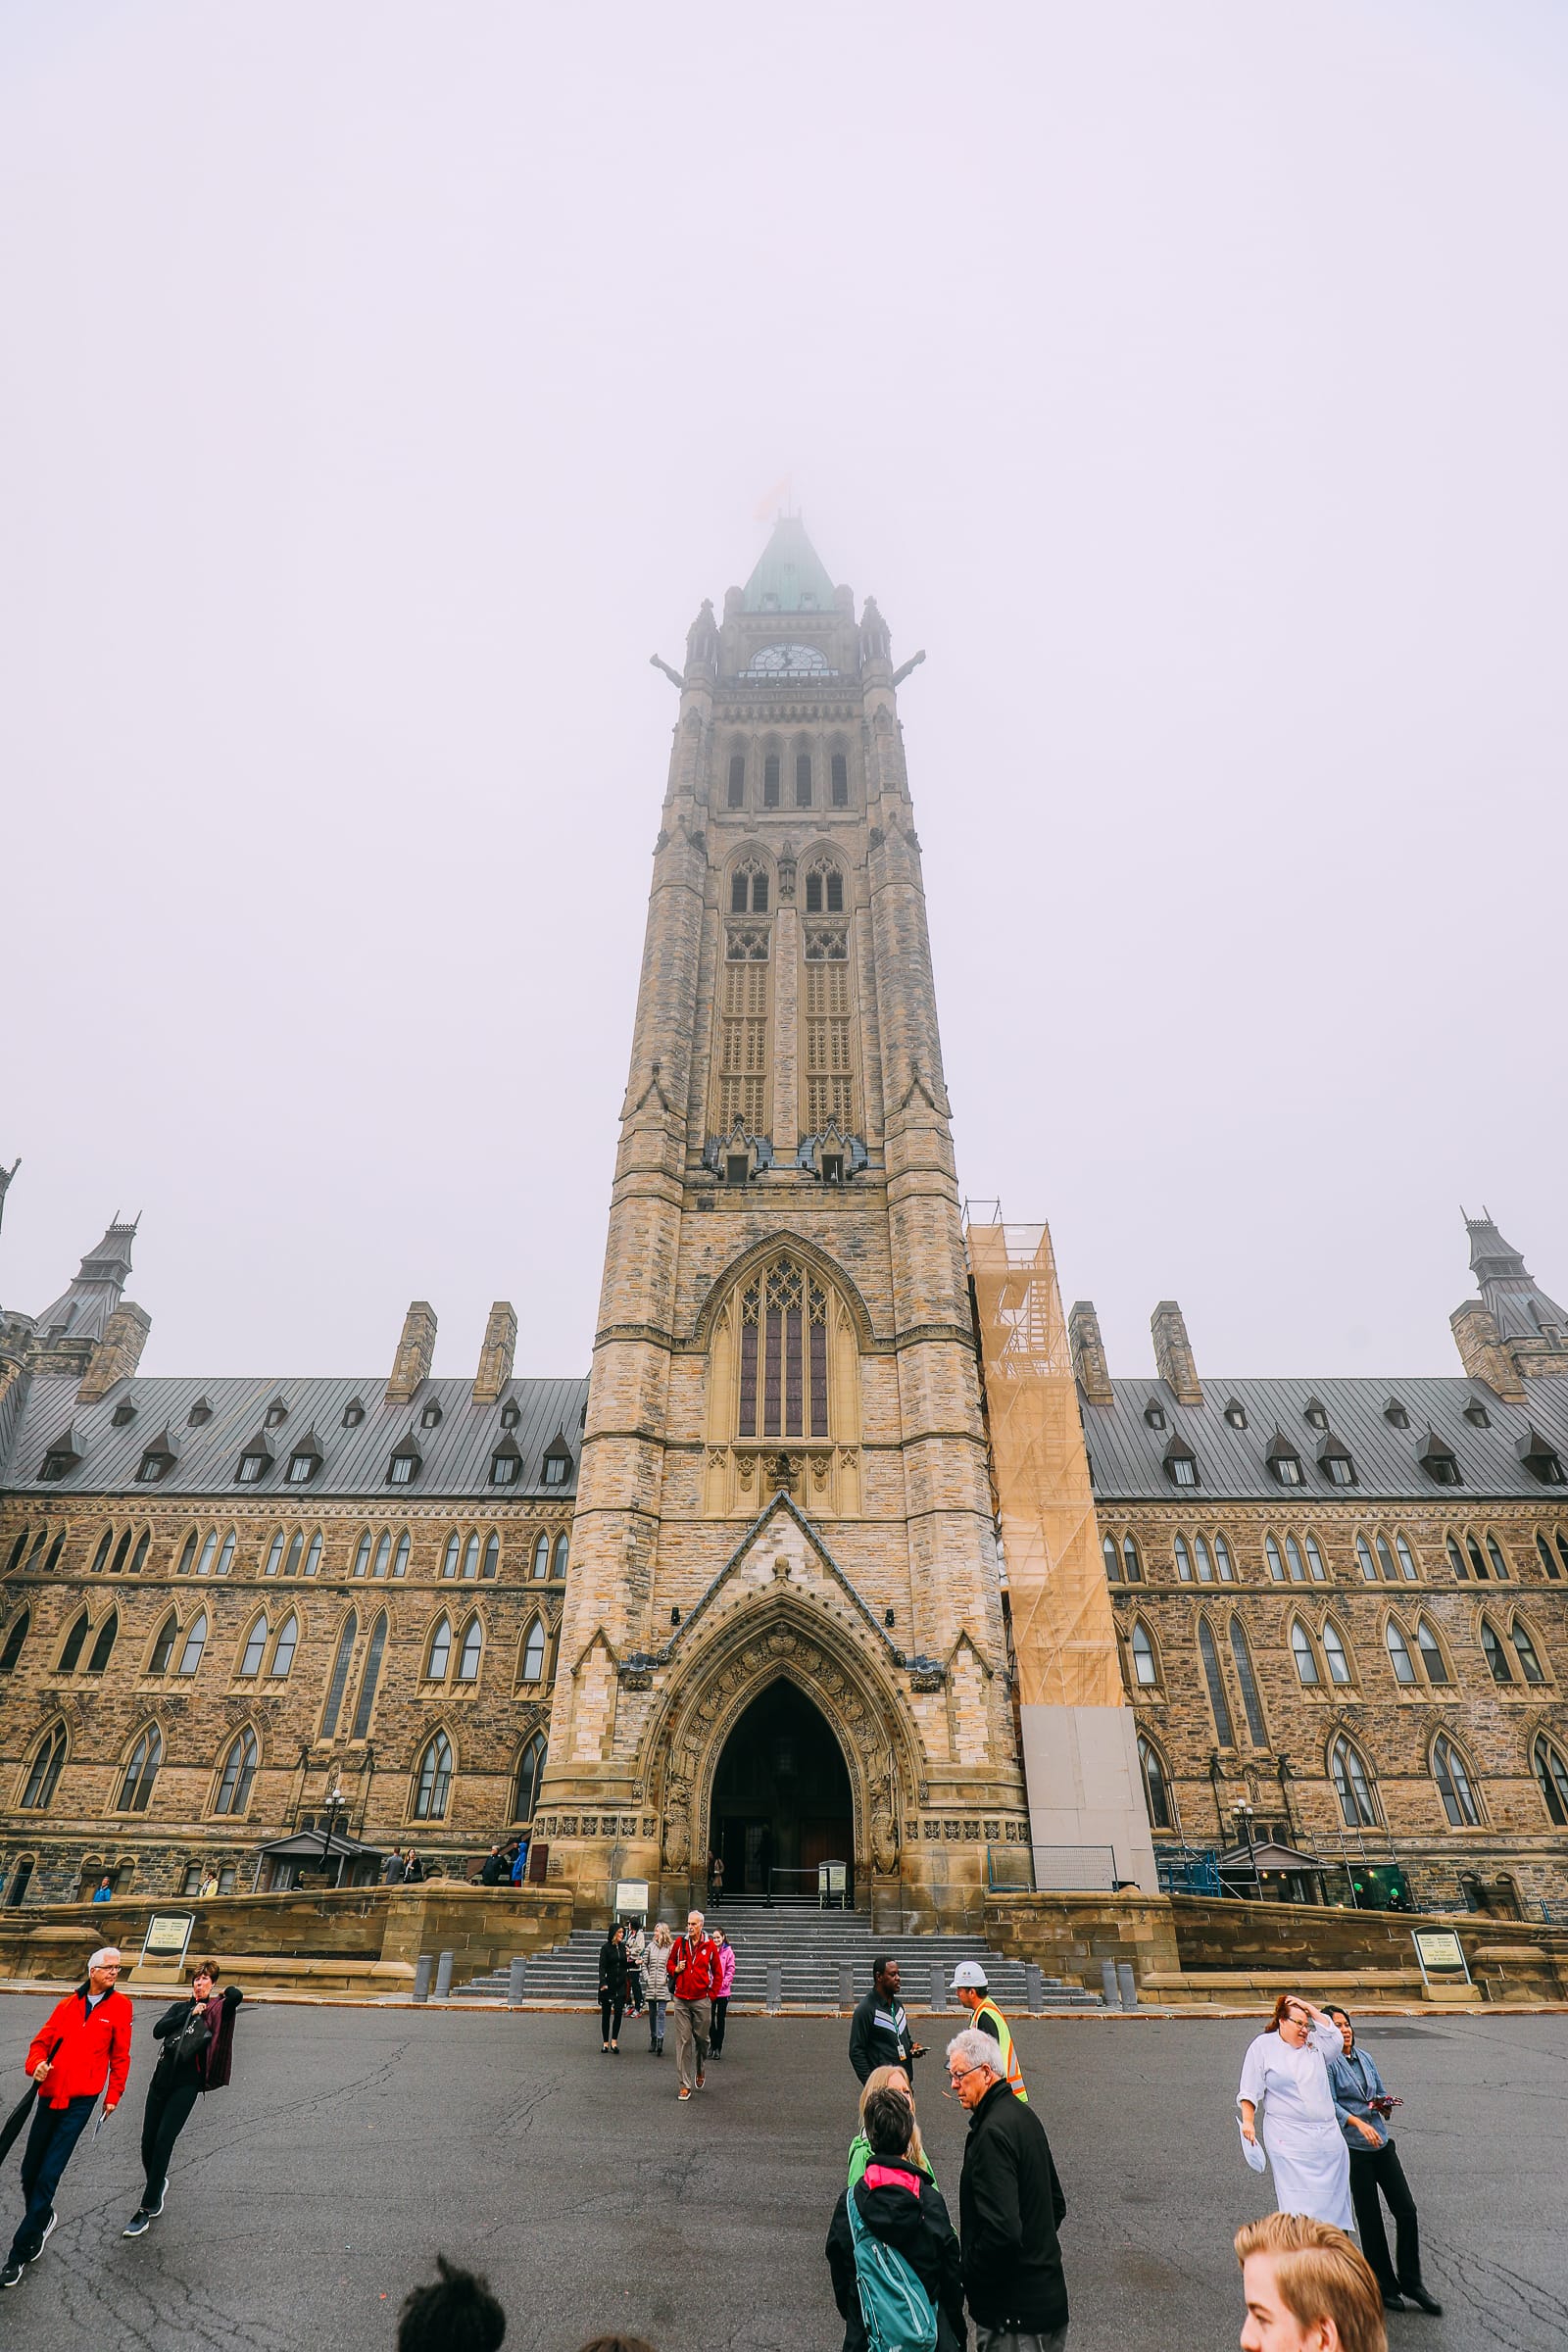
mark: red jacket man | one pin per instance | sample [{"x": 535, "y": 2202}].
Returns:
[
  {"x": 693, "y": 1967},
  {"x": 84, "y": 2046}
]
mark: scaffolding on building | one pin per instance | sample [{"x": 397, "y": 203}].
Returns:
[{"x": 1063, "y": 1629}]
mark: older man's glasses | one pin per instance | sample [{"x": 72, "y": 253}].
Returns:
[{"x": 962, "y": 2074}]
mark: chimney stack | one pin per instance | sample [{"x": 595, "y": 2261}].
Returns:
[
  {"x": 1173, "y": 1353},
  {"x": 117, "y": 1354},
  {"x": 416, "y": 1353},
  {"x": 1089, "y": 1352},
  {"x": 496, "y": 1355},
  {"x": 1482, "y": 1351}
]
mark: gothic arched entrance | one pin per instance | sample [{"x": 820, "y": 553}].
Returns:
[{"x": 782, "y": 1802}]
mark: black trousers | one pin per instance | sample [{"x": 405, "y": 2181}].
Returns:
[
  {"x": 169, "y": 2101},
  {"x": 716, "y": 2039},
  {"x": 610, "y": 2015},
  {"x": 54, "y": 2134},
  {"x": 1372, "y": 2170}
]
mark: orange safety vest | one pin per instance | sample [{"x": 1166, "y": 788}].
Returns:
[{"x": 988, "y": 2008}]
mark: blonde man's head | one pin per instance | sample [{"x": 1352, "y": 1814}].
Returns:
[{"x": 1308, "y": 2288}]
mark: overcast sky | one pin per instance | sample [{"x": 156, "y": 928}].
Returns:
[{"x": 380, "y": 384}]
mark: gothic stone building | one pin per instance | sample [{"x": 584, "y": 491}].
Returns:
[{"x": 785, "y": 1634}]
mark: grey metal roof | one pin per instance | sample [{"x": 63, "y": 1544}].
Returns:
[
  {"x": 1127, "y": 1456},
  {"x": 94, "y": 1292},
  {"x": 453, "y": 1456}
]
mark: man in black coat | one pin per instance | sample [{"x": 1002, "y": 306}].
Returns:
[
  {"x": 880, "y": 2030},
  {"x": 1009, "y": 2207},
  {"x": 902, "y": 2206}
]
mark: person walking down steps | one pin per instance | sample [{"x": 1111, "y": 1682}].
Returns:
[{"x": 197, "y": 2053}]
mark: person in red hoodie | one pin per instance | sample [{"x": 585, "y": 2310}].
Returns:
[
  {"x": 85, "y": 2044},
  {"x": 693, "y": 1967}
]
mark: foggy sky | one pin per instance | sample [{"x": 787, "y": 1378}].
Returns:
[{"x": 382, "y": 383}]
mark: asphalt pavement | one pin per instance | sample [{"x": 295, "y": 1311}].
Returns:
[{"x": 307, "y": 2198}]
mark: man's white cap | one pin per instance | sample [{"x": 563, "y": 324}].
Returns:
[{"x": 970, "y": 1977}]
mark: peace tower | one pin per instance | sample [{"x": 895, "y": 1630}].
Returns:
[{"x": 784, "y": 1637}]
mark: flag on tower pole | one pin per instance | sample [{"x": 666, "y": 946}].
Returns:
[{"x": 767, "y": 504}]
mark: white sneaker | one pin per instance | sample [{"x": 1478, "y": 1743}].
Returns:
[{"x": 48, "y": 2233}]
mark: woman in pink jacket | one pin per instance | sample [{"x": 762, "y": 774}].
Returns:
[{"x": 726, "y": 1978}]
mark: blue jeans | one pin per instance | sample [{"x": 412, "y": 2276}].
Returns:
[{"x": 54, "y": 2134}]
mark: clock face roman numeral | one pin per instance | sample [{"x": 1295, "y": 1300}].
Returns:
[{"x": 788, "y": 662}]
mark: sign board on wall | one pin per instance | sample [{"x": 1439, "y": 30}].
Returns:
[{"x": 167, "y": 1935}]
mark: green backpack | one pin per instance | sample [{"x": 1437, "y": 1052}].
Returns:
[{"x": 899, "y": 2315}]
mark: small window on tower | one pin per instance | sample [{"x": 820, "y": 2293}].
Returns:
[
  {"x": 802, "y": 780},
  {"x": 813, "y": 893},
  {"x": 832, "y": 1167},
  {"x": 737, "y": 779},
  {"x": 739, "y": 892},
  {"x": 841, "y": 781},
  {"x": 771, "y": 782},
  {"x": 835, "y": 890},
  {"x": 737, "y": 1168},
  {"x": 758, "y": 894}
]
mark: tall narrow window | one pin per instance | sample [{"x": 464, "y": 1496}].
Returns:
[
  {"x": 1294, "y": 1561},
  {"x": 562, "y": 1548},
  {"x": 840, "y": 781},
  {"x": 1276, "y": 1564},
  {"x": 340, "y": 1676},
  {"x": 291, "y": 1566},
  {"x": 1222, "y": 1557},
  {"x": 435, "y": 1779},
  {"x": 164, "y": 1647},
  {"x": 737, "y": 779},
  {"x": 1391, "y": 1574},
  {"x": 1314, "y": 1561},
  {"x": 1304, "y": 1654},
  {"x": 1453, "y": 1785},
  {"x": 1552, "y": 1778},
  {"x": 1526, "y": 1649},
  {"x": 1399, "y": 1657},
  {"x": 14, "y": 1640},
  {"x": 1254, "y": 1705},
  {"x": 239, "y": 1771},
  {"x": 492, "y": 1554},
  {"x": 45, "y": 1772},
  {"x": 830, "y": 1065},
  {"x": 802, "y": 780},
  {"x": 1184, "y": 1559},
  {"x": 1407, "y": 1567},
  {"x": 533, "y": 1652},
  {"x": 73, "y": 1650},
  {"x": 103, "y": 1649},
  {"x": 1431, "y": 1658},
  {"x": 1131, "y": 1562},
  {"x": 1367, "y": 1564},
  {"x": 204, "y": 1566},
  {"x": 541, "y": 1557},
  {"x": 1495, "y": 1655},
  {"x": 530, "y": 1772},
  {"x": 1205, "y": 1565},
  {"x": 136, "y": 1789},
  {"x": 471, "y": 1652},
  {"x": 1112, "y": 1558},
  {"x": 471, "y": 1558},
  {"x": 1351, "y": 1785},
  {"x": 283, "y": 1648},
  {"x": 1499, "y": 1566},
  {"x": 255, "y": 1648},
  {"x": 384, "y": 1555},
  {"x": 1215, "y": 1680},
  {"x": 191, "y": 1657},
  {"x": 313, "y": 1558},
  {"x": 362, "y": 1556},
  {"x": 369, "y": 1678},
  {"x": 187, "y": 1557},
  {"x": 435, "y": 1665},
  {"x": 1549, "y": 1558},
  {"x": 1145, "y": 1666},
  {"x": 770, "y": 781},
  {"x": 1339, "y": 1664},
  {"x": 1156, "y": 1788},
  {"x": 742, "y": 1032}
]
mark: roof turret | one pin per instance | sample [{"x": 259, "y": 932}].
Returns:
[
  {"x": 790, "y": 575},
  {"x": 1509, "y": 1290}
]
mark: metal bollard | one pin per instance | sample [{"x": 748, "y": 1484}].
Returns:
[
  {"x": 846, "y": 1985},
  {"x": 443, "y": 1976},
  {"x": 517, "y": 1984},
  {"x": 775, "y": 1984},
  {"x": 1108, "y": 1977},
  {"x": 1036, "y": 1986},
  {"x": 1129, "y": 1986},
  {"x": 421, "y": 1976},
  {"x": 938, "y": 1997}
]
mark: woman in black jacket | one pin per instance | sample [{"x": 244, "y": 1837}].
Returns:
[
  {"x": 197, "y": 2037},
  {"x": 613, "y": 1984},
  {"x": 897, "y": 2201}
]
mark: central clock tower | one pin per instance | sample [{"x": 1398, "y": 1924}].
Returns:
[{"x": 784, "y": 1637}]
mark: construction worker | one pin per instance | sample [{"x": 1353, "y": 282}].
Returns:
[{"x": 970, "y": 1984}]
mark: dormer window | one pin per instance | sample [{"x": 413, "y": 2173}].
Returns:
[
  {"x": 1439, "y": 1461},
  {"x": 1236, "y": 1414},
  {"x": 276, "y": 1414},
  {"x": 122, "y": 1416},
  {"x": 1313, "y": 1414},
  {"x": 199, "y": 1413},
  {"x": 55, "y": 1466},
  {"x": 1284, "y": 1462},
  {"x": 558, "y": 1461},
  {"x": 509, "y": 1416},
  {"x": 430, "y": 1418},
  {"x": 1395, "y": 1415},
  {"x": 504, "y": 1469},
  {"x": 301, "y": 1468},
  {"x": 1181, "y": 1466},
  {"x": 1154, "y": 1415},
  {"x": 154, "y": 1466},
  {"x": 403, "y": 1467},
  {"x": 1541, "y": 1458},
  {"x": 1336, "y": 1462},
  {"x": 353, "y": 1413},
  {"x": 1476, "y": 1413}
]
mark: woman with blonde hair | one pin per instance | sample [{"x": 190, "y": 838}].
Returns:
[
  {"x": 655, "y": 1986},
  {"x": 887, "y": 2078}
]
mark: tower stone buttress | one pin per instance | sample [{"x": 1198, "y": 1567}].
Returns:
[{"x": 784, "y": 1637}]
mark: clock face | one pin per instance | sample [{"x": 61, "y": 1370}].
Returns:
[{"x": 788, "y": 662}]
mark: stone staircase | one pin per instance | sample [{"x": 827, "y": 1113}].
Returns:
[{"x": 822, "y": 1960}]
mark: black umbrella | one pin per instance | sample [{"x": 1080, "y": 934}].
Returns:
[{"x": 11, "y": 2128}]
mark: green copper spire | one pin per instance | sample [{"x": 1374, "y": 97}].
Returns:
[{"x": 789, "y": 577}]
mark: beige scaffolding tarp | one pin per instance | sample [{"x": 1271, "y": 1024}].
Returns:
[{"x": 1064, "y": 1635}]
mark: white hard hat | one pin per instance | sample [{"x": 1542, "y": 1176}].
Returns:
[{"x": 970, "y": 1977}]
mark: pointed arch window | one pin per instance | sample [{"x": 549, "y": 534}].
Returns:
[
  {"x": 840, "y": 780},
  {"x": 369, "y": 1678},
  {"x": 1184, "y": 1559},
  {"x": 492, "y": 1554},
  {"x": 1314, "y": 1559},
  {"x": 141, "y": 1772},
  {"x": 1525, "y": 1649},
  {"x": 14, "y": 1640},
  {"x": 1132, "y": 1561},
  {"x": 291, "y": 1566},
  {"x": 103, "y": 1649},
  {"x": 1146, "y": 1665},
  {"x": 400, "y": 1562},
  {"x": 439, "y": 1656},
  {"x": 563, "y": 1550},
  {"x": 1495, "y": 1655},
  {"x": 541, "y": 1557},
  {"x": 362, "y": 1556},
  {"x": 188, "y": 1558},
  {"x": 191, "y": 1657},
  {"x": 1275, "y": 1560},
  {"x": 164, "y": 1647},
  {"x": 204, "y": 1566},
  {"x": 533, "y": 1652},
  {"x": 1292, "y": 1556},
  {"x": 1250, "y": 1701},
  {"x": 1552, "y": 1778},
  {"x": 1352, "y": 1785},
  {"x": 19, "y": 1546},
  {"x": 1335, "y": 1657},
  {"x": 434, "y": 1780},
  {"x": 829, "y": 1055},
  {"x": 239, "y": 1771},
  {"x": 1482, "y": 1572},
  {"x": 1157, "y": 1786},
  {"x": 274, "y": 1556},
  {"x": 803, "y": 779},
  {"x": 453, "y": 1554},
  {"x": 1304, "y": 1654},
  {"x": 313, "y": 1558},
  {"x": 471, "y": 1558},
  {"x": 1499, "y": 1566},
  {"x": 44, "y": 1775},
  {"x": 1549, "y": 1558},
  {"x": 783, "y": 1354},
  {"x": 1431, "y": 1658},
  {"x": 1390, "y": 1574},
  {"x": 770, "y": 781},
  {"x": 283, "y": 1648},
  {"x": 1210, "y": 1655},
  {"x": 471, "y": 1652},
  {"x": 1364, "y": 1560},
  {"x": 1112, "y": 1558},
  {"x": 340, "y": 1675},
  {"x": 530, "y": 1772},
  {"x": 73, "y": 1650},
  {"x": 1453, "y": 1785},
  {"x": 384, "y": 1555},
  {"x": 1399, "y": 1657},
  {"x": 1205, "y": 1564},
  {"x": 737, "y": 780}
]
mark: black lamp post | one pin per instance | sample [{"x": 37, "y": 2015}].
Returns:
[
  {"x": 336, "y": 1803},
  {"x": 1244, "y": 1821}
]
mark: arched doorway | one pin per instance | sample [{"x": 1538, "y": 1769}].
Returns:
[{"x": 781, "y": 1797}]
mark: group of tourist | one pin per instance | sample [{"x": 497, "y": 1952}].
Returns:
[
  {"x": 688, "y": 1976},
  {"x": 505, "y": 1865}
]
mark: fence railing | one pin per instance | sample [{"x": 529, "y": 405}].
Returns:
[{"x": 1051, "y": 1869}]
